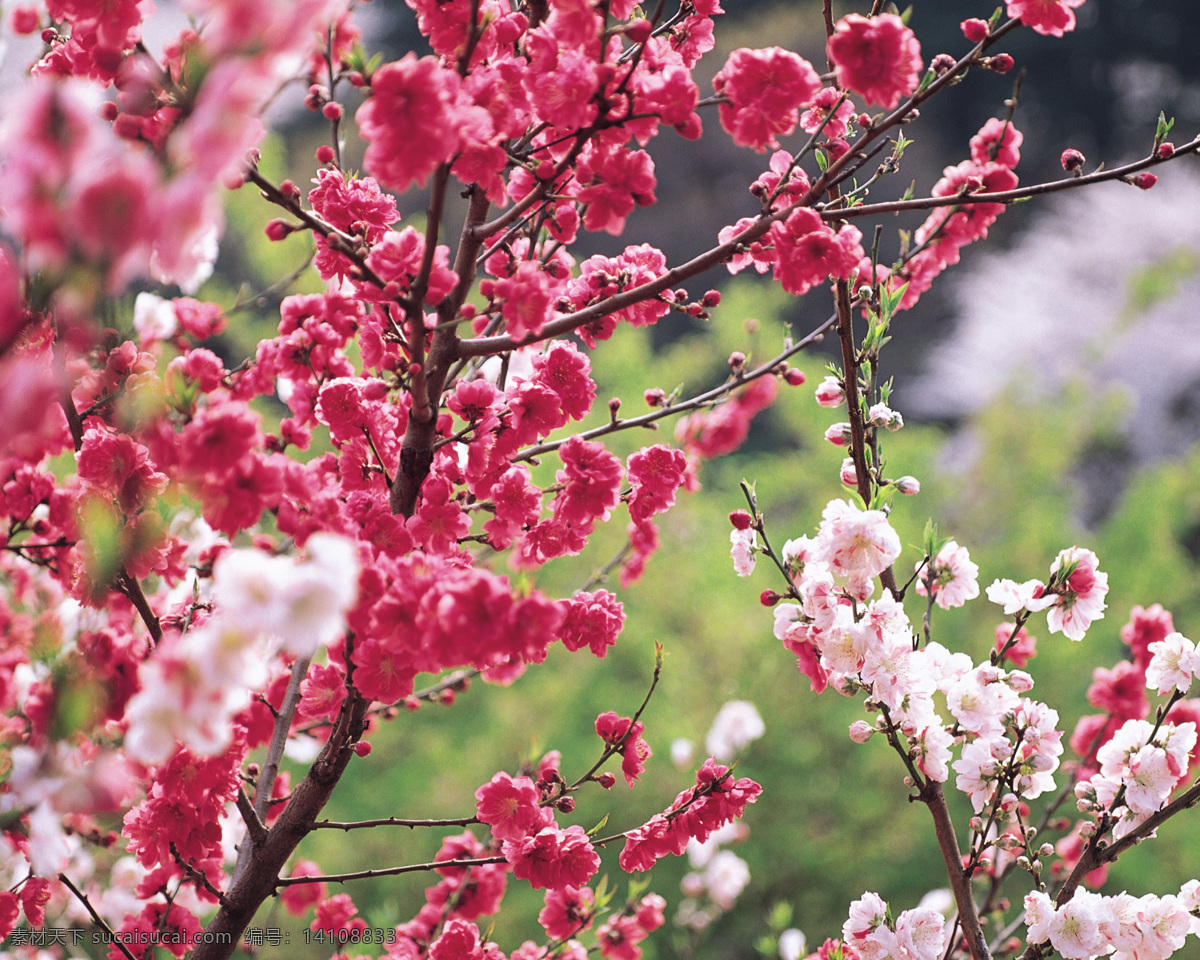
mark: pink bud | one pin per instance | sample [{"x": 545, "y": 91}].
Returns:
[
  {"x": 1165, "y": 151},
  {"x": 638, "y": 31},
  {"x": 974, "y": 29},
  {"x": 276, "y": 230},
  {"x": 907, "y": 485},
  {"x": 849, "y": 474},
  {"x": 861, "y": 731},
  {"x": 737, "y": 360},
  {"x": 655, "y": 397},
  {"x": 614, "y": 407},
  {"x": 794, "y": 376},
  {"x": 325, "y": 153},
  {"x": 838, "y": 434},
  {"x": 332, "y": 111},
  {"x": 607, "y": 780},
  {"x": 768, "y": 598},
  {"x": 1000, "y": 63},
  {"x": 362, "y": 748},
  {"x": 1144, "y": 181},
  {"x": 1072, "y": 160},
  {"x": 836, "y": 149},
  {"x": 941, "y": 63},
  {"x": 713, "y": 297},
  {"x": 740, "y": 519},
  {"x": 830, "y": 393}
]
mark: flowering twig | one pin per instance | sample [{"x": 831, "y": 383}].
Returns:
[
  {"x": 392, "y": 822},
  {"x": 96, "y": 918}
]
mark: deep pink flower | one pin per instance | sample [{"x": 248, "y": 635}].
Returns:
[
  {"x": 998, "y": 141},
  {"x": 510, "y": 807},
  {"x": 410, "y": 120},
  {"x": 877, "y": 57},
  {"x": 765, "y": 90},
  {"x": 553, "y": 858},
  {"x": 808, "y": 252},
  {"x": 1049, "y": 17},
  {"x": 592, "y": 620}
]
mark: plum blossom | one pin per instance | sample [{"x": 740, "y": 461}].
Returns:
[
  {"x": 877, "y": 57},
  {"x": 763, "y": 90},
  {"x": 1082, "y": 598},
  {"x": 1051, "y": 18},
  {"x": 743, "y": 550},
  {"x": 1173, "y": 663},
  {"x": 857, "y": 544},
  {"x": 951, "y": 577}
]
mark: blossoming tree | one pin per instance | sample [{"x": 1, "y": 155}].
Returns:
[{"x": 186, "y": 595}]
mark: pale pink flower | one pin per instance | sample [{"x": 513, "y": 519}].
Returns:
[
  {"x": 1173, "y": 664},
  {"x": 1039, "y": 913},
  {"x": 743, "y": 549},
  {"x": 1075, "y": 929},
  {"x": 857, "y": 544},
  {"x": 861, "y": 731},
  {"x": 952, "y": 575},
  {"x": 830, "y": 393},
  {"x": 1014, "y": 597},
  {"x": 1083, "y": 599},
  {"x": 866, "y": 913},
  {"x": 921, "y": 933}
]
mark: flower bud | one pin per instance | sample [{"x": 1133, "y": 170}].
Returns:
[
  {"x": 741, "y": 519},
  {"x": 830, "y": 393},
  {"x": 565, "y": 804},
  {"x": 839, "y": 434},
  {"x": 768, "y": 598},
  {"x": 849, "y": 474},
  {"x": 655, "y": 397},
  {"x": 614, "y": 407},
  {"x": 974, "y": 29},
  {"x": 606, "y": 780},
  {"x": 1046, "y": 850},
  {"x": 861, "y": 731},
  {"x": 325, "y": 154},
  {"x": 1000, "y": 63},
  {"x": 711, "y": 298},
  {"x": 638, "y": 31},
  {"x": 1072, "y": 161},
  {"x": 941, "y": 63},
  {"x": 908, "y": 486},
  {"x": 794, "y": 376},
  {"x": 1145, "y": 180},
  {"x": 737, "y": 361},
  {"x": 362, "y": 748},
  {"x": 332, "y": 111},
  {"x": 276, "y": 230}
]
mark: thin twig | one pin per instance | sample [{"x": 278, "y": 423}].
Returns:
[{"x": 96, "y": 918}]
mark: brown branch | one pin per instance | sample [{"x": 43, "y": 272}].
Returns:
[
  {"x": 196, "y": 876},
  {"x": 258, "y": 881},
  {"x": 960, "y": 882},
  {"x": 393, "y": 822},
  {"x": 96, "y": 918},
  {"x": 696, "y": 402},
  {"x": 1009, "y": 196},
  {"x": 387, "y": 871}
]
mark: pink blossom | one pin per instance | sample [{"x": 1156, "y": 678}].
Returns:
[
  {"x": 808, "y": 252},
  {"x": 1052, "y": 18},
  {"x": 998, "y": 141},
  {"x": 857, "y": 544},
  {"x": 411, "y": 120},
  {"x": 510, "y": 806},
  {"x": 950, "y": 577},
  {"x": 1082, "y": 598},
  {"x": 743, "y": 549},
  {"x": 1173, "y": 664},
  {"x": 764, "y": 91},
  {"x": 553, "y": 858},
  {"x": 877, "y": 57}
]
